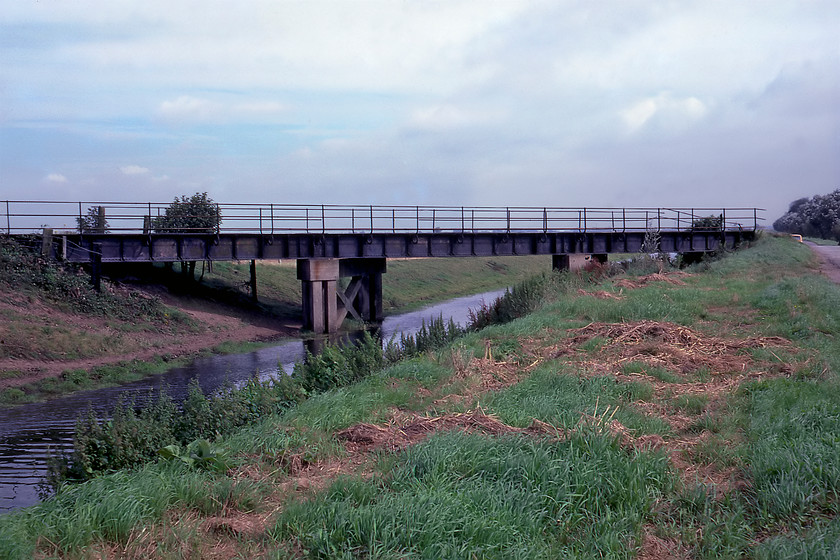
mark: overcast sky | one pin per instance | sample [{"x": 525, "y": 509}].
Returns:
[{"x": 473, "y": 102}]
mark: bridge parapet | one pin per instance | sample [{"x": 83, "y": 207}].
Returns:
[{"x": 270, "y": 219}]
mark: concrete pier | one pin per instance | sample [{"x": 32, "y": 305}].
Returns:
[{"x": 325, "y": 305}]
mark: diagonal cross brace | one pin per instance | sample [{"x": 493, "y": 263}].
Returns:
[{"x": 347, "y": 298}]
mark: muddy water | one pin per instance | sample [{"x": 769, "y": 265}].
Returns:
[{"x": 28, "y": 432}]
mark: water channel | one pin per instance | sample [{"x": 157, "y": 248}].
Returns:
[{"x": 27, "y": 432}]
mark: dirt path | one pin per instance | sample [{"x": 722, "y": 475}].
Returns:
[{"x": 829, "y": 256}]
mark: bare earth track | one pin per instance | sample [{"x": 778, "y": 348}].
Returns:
[
  {"x": 215, "y": 323},
  {"x": 829, "y": 256}
]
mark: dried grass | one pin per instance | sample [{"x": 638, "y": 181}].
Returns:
[
  {"x": 668, "y": 345},
  {"x": 601, "y": 294},
  {"x": 400, "y": 432},
  {"x": 672, "y": 277},
  {"x": 657, "y": 548}
]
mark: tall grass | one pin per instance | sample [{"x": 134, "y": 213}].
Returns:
[
  {"x": 794, "y": 442},
  {"x": 110, "y": 508},
  {"x": 462, "y": 496}
]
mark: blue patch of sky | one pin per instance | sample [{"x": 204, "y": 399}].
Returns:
[{"x": 44, "y": 35}]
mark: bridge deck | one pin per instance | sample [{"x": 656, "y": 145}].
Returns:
[{"x": 243, "y": 246}]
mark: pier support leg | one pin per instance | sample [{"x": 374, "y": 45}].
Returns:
[
  {"x": 560, "y": 262},
  {"x": 366, "y": 299},
  {"x": 318, "y": 281},
  {"x": 325, "y": 306}
]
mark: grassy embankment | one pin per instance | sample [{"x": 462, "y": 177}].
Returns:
[
  {"x": 653, "y": 417},
  {"x": 52, "y": 318}
]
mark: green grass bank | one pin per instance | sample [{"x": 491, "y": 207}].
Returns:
[{"x": 643, "y": 415}]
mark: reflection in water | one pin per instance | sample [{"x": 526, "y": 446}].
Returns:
[{"x": 27, "y": 432}]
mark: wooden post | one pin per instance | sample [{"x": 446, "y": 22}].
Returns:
[
  {"x": 46, "y": 243},
  {"x": 96, "y": 266},
  {"x": 254, "y": 280}
]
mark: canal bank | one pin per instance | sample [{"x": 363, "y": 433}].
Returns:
[{"x": 29, "y": 432}]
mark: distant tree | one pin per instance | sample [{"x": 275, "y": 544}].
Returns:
[
  {"x": 94, "y": 221},
  {"x": 818, "y": 216},
  {"x": 195, "y": 214},
  {"x": 797, "y": 204}
]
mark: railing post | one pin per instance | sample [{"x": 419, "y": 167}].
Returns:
[
  {"x": 584, "y": 220},
  {"x": 545, "y": 220},
  {"x": 307, "y": 220},
  {"x": 507, "y": 211},
  {"x": 462, "y": 219},
  {"x": 8, "y": 220},
  {"x": 434, "y": 212},
  {"x": 393, "y": 220},
  {"x": 323, "y": 221},
  {"x": 371, "y": 218},
  {"x": 417, "y": 218},
  {"x": 272, "y": 218},
  {"x": 659, "y": 219},
  {"x": 353, "y": 220},
  {"x": 723, "y": 219},
  {"x": 261, "y": 228},
  {"x": 81, "y": 222}
]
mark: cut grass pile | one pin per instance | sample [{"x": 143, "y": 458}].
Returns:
[{"x": 689, "y": 419}]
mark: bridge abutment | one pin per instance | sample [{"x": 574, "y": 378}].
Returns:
[
  {"x": 575, "y": 261},
  {"x": 325, "y": 304}
]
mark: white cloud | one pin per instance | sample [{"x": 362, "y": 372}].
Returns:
[
  {"x": 665, "y": 110},
  {"x": 134, "y": 170},
  {"x": 191, "y": 109},
  {"x": 259, "y": 108},
  {"x": 550, "y": 101},
  {"x": 188, "y": 109},
  {"x": 448, "y": 116},
  {"x": 55, "y": 178}
]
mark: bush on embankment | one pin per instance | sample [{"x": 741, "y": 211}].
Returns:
[{"x": 24, "y": 270}]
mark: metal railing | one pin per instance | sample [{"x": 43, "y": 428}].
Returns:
[{"x": 150, "y": 217}]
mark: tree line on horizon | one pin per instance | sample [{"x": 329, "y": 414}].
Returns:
[{"x": 818, "y": 216}]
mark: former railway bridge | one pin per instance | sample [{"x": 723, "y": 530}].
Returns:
[{"x": 334, "y": 241}]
